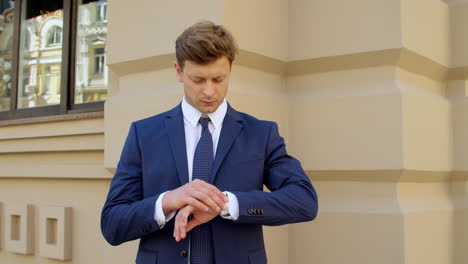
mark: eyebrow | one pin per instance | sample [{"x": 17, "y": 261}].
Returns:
[{"x": 201, "y": 77}]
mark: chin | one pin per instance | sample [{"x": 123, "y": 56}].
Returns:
[{"x": 208, "y": 109}]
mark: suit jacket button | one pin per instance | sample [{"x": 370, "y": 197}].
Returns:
[
  {"x": 183, "y": 253},
  {"x": 250, "y": 211}
]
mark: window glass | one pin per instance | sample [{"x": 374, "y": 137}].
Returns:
[
  {"x": 54, "y": 36},
  {"x": 40, "y": 62},
  {"x": 6, "y": 43},
  {"x": 91, "y": 69}
]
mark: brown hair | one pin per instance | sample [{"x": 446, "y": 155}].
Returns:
[{"x": 205, "y": 42}]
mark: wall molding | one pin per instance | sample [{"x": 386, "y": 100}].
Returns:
[
  {"x": 399, "y": 57},
  {"x": 387, "y": 175},
  {"x": 97, "y": 171},
  {"x": 54, "y": 118},
  {"x": 82, "y": 142},
  {"x": 154, "y": 63}
]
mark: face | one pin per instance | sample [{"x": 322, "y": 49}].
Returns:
[{"x": 205, "y": 86}]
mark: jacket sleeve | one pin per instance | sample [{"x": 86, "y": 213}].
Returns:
[
  {"x": 292, "y": 198},
  {"x": 126, "y": 215}
]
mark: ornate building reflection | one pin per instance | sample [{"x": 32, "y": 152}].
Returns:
[
  {"x": 41, "y": 56},
  {"x": 6, "y": 40},
  {"x": 91, "y": 69}
]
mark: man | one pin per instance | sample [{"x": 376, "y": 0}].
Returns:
[{"x": 189, "y": 182}]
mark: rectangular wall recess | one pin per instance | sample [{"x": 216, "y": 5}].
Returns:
[
  {"x": 55, "y": 233},
  {"x": 51, "y": 231},
  {"x": 15, "y": 232}
]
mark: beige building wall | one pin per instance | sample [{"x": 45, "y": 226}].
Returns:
[
  {"x": 371, "y": 96},
  {"x": 457, "y": 91}
]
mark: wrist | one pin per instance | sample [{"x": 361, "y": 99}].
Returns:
[{"x": 165, "y": 203}]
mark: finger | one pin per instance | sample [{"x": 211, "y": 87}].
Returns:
[
  {"x": 179, "y": 221},
  {"x": 215, "y": 198},
  {"x": 219, "y": 202},
  {"x": 207, "y": 194},
  {"x": 206, "y": 199},
  {"x": 176, "y": 227},
  {"x": 183, "y": 221},
  {"x": 183, "y": 224},
  {"x": 180, "y": 228},
  {"x": 197, "y": 204},
  {"x": 213, "y": 189},
  {"x": 216, "y": 195}
]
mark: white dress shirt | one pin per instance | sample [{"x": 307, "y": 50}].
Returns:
[{"x": 193, "y": 131}]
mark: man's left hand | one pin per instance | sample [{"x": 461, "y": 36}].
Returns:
[{"x": 182, "y": 226}]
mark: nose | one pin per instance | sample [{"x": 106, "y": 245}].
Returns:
[{"x": 209, "y": 89}]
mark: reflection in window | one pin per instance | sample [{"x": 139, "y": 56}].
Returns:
[
  {"x": 40, "y": 63},
  {"x": 47, "y": 81},
  {"x": 27, "y": 80},
  {"x": 101, "y": 11},
  {"x": 54, "y": 36},
  {"x": 6, "y": 43},
  {"x": 91, "y": 69},
  {"x": 99, "y": 61},
  {"x": 27, "y": 40}
]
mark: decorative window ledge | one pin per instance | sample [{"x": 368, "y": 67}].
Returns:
[{"x": 54, "y": 118}]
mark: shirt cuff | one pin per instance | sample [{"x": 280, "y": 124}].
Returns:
[
  {"x": 159, "y": 216},
  {"x": 232, "y": 213}
]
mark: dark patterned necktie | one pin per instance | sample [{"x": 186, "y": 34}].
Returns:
[{"x": 201, "y": 240}]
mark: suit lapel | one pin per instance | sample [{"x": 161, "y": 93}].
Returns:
[
  {"x": 232, "y": 125},
  {"x": 176, "y": 133}
]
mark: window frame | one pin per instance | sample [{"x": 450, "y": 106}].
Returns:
[
  {"x": 99, "y": 62},
  {"x": 102, "y": 7},
  {"x": 67, "y": 83},
  {"x": 54, "y": 31}
]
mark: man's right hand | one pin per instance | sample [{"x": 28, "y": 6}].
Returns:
[{"x": 198, "y": 194}]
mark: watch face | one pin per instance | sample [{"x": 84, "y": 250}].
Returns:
[{"x": 224, "y": 213}]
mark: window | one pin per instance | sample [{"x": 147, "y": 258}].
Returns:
[
  {"x": 101, "y": 12},
  {"x": 52, "y": 57},
  {"x": 6, "y": 44},
  {"x": 99, "y": 61},
  {"x": 47, "y": 80},
  {"x": 54, "y": 36},
  {"x": 27, "y": 80},
  {"x": 27, "y": 40}
]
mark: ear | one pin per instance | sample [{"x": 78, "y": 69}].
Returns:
[{"x": 179, "y": 73}]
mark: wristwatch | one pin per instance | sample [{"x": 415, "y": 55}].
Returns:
[{"x": 225, "y": 213}]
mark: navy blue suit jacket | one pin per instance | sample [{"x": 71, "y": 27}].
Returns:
[{"x": 250, "y": 154}]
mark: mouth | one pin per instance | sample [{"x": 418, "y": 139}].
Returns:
[{"x": 208, "y": 103}]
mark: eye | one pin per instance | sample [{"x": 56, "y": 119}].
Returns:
[
  {"x": 218, "y": 80},
  {"x": 197, "y": 80}
]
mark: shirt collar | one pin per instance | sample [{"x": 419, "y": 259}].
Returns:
[{"x": 192, "y": 115}]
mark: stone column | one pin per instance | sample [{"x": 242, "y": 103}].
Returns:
[
  {"x": 372, "y": 124},
  {"x": 458, "y": 95}
]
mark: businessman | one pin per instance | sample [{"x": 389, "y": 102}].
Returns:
[{"x": 189, "y": 182}]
